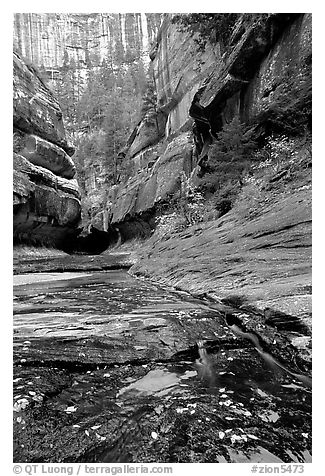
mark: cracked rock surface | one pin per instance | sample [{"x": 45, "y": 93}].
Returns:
[{"x": 107, "y": 369}]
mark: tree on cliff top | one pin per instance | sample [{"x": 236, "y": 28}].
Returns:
[{"x": 210, "y": 26}]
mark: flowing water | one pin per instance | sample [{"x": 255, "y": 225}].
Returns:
[{"x": 107, "y": 369}]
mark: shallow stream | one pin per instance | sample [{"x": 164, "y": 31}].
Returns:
[{"x": 106, "y": 369}]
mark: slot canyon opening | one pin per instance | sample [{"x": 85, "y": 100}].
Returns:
[{"x": 94, "y": 242}]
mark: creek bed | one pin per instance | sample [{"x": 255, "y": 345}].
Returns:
[{"x": 105, "y": 370}]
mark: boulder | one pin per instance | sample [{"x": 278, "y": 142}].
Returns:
[
  {"x": 46, "y": 207},
  {"x": 45, "y": 154}
]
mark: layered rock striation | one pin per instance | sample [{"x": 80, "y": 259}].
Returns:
[
  {"x": 46, "y": 198},
  {"x": 199, "y": 89}
]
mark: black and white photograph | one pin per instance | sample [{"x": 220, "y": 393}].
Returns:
[{"x": 162, "y": 232}]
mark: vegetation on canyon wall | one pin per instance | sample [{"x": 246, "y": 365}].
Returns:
[
  {"x": 291, "y": 109},
  {"x": 210, "y": 26},
  {"x": 100, "y": 116},
  {"x": 245, "y": 180},
  {"x": 102, "y": 104},
  {"x": 216, "y": 27}
]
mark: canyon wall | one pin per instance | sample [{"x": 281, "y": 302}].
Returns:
[
  {"x": 46, "y": 198},
  {"x": 53, "y": 40},
  {"x": 199, "y": 89},
  {"x": 69, "y": 49},
  {"x": 256, "y": 257}
]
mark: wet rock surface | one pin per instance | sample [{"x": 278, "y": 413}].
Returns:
[
  {"x": 259, "y": 263},
  {"x": 107, "y": 369},
  {"x": 66, "y": 262}
]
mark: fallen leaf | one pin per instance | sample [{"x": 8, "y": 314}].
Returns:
[
  {"x": 193, "y": 405},
  {"x": 38, "y": 398},
  {"x": 95, "y": 427},
  {"x": 221, "y": 435},
  {"x": 235, "y": 438},
  {"x": 154, "y": 435},
  {"x": 71, "y": 409},
  {"x": 21, "y": 404}
]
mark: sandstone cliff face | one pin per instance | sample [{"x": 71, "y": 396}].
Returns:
[
  {"x": 265, "y": 261},
  {"x": 198, "y": 91},
  {"x": 46, "y": 199},
  {"x": 66, "y": 47},
  {"x": 51, "y": 40}
]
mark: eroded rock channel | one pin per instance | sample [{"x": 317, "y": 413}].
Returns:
[{"x": 107, "y": 369}]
